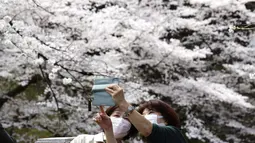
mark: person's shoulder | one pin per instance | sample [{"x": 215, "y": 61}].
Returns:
[
  {"x": 99, "y": 137},
  {"x": 168, "y": 127},
  {"x": 173, "y": 128},
  {"x": 165, "y": 126},
  {"x": 178, "y": 132}
]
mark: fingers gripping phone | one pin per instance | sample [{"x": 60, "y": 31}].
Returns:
[{"x": 100, "y": 96}]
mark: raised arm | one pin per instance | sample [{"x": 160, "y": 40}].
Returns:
[
  {"x": 103, "y": 120},
  {"x": 140, "y": 122}
]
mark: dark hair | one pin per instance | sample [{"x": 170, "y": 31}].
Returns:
[
  {"x": 111, "y": 109},
  {"x": 168, "y": 113},
  {"x": 132, "y": 132}
]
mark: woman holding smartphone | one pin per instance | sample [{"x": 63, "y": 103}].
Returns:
[{"x": 155, "y": 120}]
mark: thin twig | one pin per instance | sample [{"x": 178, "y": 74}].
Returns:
[
  {"x": 42, "y": 42},
  {"x": 165, "y": 56},
  {"x": 47, "y": 81},
  {"x": 52, "y": 13},
  {"x": 19, "y": 13},
  {"x": 67, "y": 70}
]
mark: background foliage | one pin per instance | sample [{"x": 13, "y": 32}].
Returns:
[{"x": 196, "y": 55}]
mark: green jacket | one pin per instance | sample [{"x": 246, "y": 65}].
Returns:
[{"x": 165, "y": 134}]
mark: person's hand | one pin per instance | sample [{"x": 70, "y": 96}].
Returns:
[
  {"x": 103, "y": 120},
  {"x": 117, "y": 94}
]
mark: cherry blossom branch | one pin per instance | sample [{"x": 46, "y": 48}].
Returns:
[
  {"x": 20, "y": 13},
  {"x": 48, "y": 82},
  {"x": 67, "y": 70},
  {"x": 89, "y": 99},
  {"x": 164, "y": 57},
  {"x": 52, "y": 13},
  {"x": 42, "y": 42}
]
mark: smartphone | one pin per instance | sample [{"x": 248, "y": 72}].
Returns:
[{"x": 100, "y": 96}]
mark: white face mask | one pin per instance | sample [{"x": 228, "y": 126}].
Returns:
[
  {"x": 120, "y": 127},
  {"x": 153, "y": 118}
]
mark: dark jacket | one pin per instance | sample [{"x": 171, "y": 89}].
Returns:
[
  {"x": 4, "y": 136},
  {"x": 165, "y": 134}
]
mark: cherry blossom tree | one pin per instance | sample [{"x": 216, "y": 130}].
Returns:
[{"x": 195, "y": 55}]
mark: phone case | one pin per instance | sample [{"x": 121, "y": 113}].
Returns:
[{"x": 100, "y": 96}]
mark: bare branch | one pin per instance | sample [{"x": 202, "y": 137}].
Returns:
[
  {"x": 42, "y": 42},
  {"x": 52, "y": 13},
  {"x": 49, "y": 84}
]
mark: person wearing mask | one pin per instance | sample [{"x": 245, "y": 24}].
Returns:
[
  {"x": 121, "y": 128},
  {"x": 115, "y": 127},
  {"x": 155, "y": 119},
  {"x": 4, "y": 136}
]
